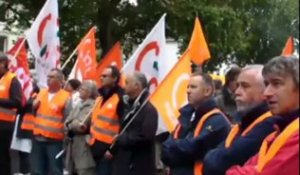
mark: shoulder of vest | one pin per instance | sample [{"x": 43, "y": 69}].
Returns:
[
  {"x": 11, "y": 75},
  {"x": 115, "y": 97}
]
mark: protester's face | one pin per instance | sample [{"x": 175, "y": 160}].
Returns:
[
  {"x": 107, "y": 80},
  {"x": 84, "y": 92},
  {"x": 250, "y": 90},
  {"x": 53, "y": 80},
  {"x": 69, "y": 88},
  {"x": 282, "y": 94},
  {"x": 197, "y": 91},
  {"x": 131, "y": 85}
]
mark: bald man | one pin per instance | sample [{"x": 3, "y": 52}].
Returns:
[{"x": 255, "y": 123}]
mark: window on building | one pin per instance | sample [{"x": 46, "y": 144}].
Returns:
[{"x": 3, "y": 43}]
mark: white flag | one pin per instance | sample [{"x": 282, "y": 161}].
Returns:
[
  {"x": 44, "y": 42},
  {"x": 151, "y": 57}
]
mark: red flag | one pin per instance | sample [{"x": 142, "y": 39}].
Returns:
[
  {"x": 199, "y": 51},
  {"x": 113, "y": 57},
  {"x": 289, "y": 47},
  {"x": 19, "y": 65},
  {"x": 86, "y": 64}
]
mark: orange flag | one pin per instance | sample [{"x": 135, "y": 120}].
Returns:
[
  {"x": 86, "y": 64},
  {"x": 199, "y": 51},
  {"x": 170, "y": 95},
  {"x": 289, "y": 47},
  {"x": 113, "y": 57}
]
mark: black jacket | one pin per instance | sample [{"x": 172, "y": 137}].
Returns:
[
  {"x": 219, "y": 160},
  {"x": 134, "y": 152}
]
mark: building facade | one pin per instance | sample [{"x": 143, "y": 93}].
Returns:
[{"x": 7, "y": 38}]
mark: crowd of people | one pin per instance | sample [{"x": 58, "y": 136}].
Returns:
[{"x": 249, "y": 126}]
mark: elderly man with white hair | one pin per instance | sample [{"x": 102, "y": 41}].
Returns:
[
  {"x": 80, "y": 159},
  {"x": 255, "y": 124}
]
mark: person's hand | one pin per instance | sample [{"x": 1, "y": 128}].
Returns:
[
  {"x": 36, "y": 104},
  {"x": 168, "y": 171},
  {"x": 108, "y": 155}
]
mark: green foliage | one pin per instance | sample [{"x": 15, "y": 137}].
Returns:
[{"x": 238, "y": 31}]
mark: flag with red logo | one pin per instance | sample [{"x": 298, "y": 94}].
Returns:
[
  {"x": 86, "y": 64},
  {"x": 151, "y": 57},
  {"x": 44, "y": 42},
  {"x": 18, "y": 64}
]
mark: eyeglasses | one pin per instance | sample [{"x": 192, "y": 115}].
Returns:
[
  {"x": 51, "y": 76},
  {"x": 105, "y": 76}
]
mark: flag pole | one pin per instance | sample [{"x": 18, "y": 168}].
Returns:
[
  {"x": 19, "y": 49},
  {"x": 70, "y": 57}
]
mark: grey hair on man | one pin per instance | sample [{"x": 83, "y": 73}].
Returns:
[
  {"x": 257, "y": 70},
  {"x": 141, "y": 79},
  {"x": 91, "y": 87},
  {"x": 283, "y": 66}
]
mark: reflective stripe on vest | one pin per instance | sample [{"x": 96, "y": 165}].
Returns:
[
  {"x": 267, "y": 153},
  {"x": 105, "y": 121},
  {"x": 28, "y": 122},
  {"x": 49, "y": 119},
  {"x": 7, "y": 115},
  {"x": 198, "y": 168},
  {"x": 29, "y": 118},
  {"x": 236, "y": 129}
]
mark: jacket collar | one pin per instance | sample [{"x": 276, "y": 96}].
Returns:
[
  {"x": 288, "y": 118},
  {"x": 106, "y": 93},
  {"x": 140, "y": 99},
  {"x": 205, "y": 107},
  {"x": 249, "y": 116}
]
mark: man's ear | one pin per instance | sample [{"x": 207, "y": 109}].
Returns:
[{"x": 208, "y": 91}]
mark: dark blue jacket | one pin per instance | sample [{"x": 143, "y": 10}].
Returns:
[
  {"x": 181, "y": 154},
  {"x": 219, "y": 160}
]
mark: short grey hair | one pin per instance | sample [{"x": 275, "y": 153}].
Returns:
[
  {"x": 141, "y": 79},
  {"x": 283, "y": 66},
  {"x": 257, "y": 69},
  {"x": 59, "y": 74},
  {"x": 91, "y": 88}
]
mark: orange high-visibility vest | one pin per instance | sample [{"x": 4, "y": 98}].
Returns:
[
  {"x": 267, "y": 153},
  {"x": 7, "y": 115},
  {"x": 198, "y": 168},
  {"x": 49, "y": 119},
  {"x": 28, "y": 119},
  {"x": 236, "y": 129},
  {"x": 105, "y": 124}
]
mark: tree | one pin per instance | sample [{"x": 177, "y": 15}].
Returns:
[{"x": 238, "y": 31}]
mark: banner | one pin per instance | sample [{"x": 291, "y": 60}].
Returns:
[
  {"x": 151, "y": 57},
  {"x": 289, "y": 48},
  {"x": 44, "y": 42},
  {"x": 170, "y": 96},
  {"x": 199, "y": 51},
  {"x": 86, "y": 64}
]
